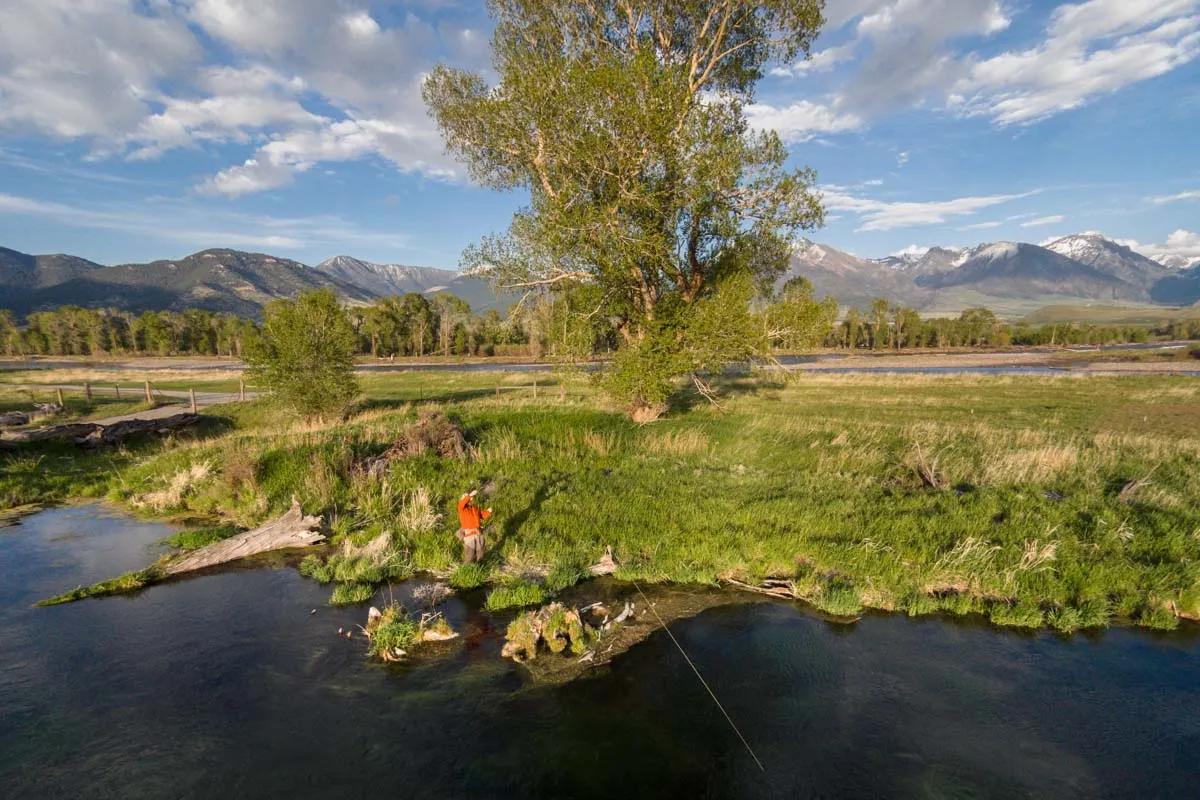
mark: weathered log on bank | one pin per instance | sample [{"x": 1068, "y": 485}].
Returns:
[
  {"x": 293, "y": 529},
  {"x": 91, "y": 434}
]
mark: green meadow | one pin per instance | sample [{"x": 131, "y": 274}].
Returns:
[{"x": 1072, "y": 502}]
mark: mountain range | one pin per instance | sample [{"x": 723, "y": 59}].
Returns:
[
  {"x": 217, "y": 280},
  {"x": 1010, "y": 277}
]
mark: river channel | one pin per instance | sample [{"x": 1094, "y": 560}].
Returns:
[{"x": 229, "y": 685}]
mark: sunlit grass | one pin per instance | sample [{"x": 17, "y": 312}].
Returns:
[{"x": 816, "y": 480}]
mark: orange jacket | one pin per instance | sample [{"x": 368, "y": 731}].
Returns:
[{"x": 470, "y": 516}]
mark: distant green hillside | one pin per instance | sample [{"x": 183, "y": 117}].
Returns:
[{"x": 1109, "y": 315}]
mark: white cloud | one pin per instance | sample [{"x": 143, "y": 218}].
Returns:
[
  {"x": 411, "y": 148},
  {"x": 880, "y": 215},
  {"x": 1175, "y": 198},
  {"x": 801, "y": 120},
  {"x": 909, "y": 58},
  {"x": 321, "y": 80},
  {"x": 820, "y": 61},
  {"x": 912, "y": 250},
  {"x": 981, "y": 226},
  {"x": 1050, "y": 220},
  {"x": 1181, "y": 248},
  {"x": 83, "y": 69},
  {"x": 1091, "y": 49}
]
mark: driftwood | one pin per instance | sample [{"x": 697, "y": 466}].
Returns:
[
  {"x": 293, "y": 529},
  {"x": 90, "y": 434},
  {"x": 772, "y": 587}
]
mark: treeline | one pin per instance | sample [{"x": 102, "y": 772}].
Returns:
[
  {"x": 885, "y": 326},
  {"x": 545, "y": 326},
  {"x": 75, "y": 331}
]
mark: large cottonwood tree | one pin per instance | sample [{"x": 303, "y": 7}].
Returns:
[{"x": 626, "y": 122}]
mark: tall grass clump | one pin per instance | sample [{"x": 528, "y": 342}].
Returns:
[{"x": 515, "y": 595}]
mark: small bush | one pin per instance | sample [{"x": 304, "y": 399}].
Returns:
[
  {"x": 345, "y": 594},
  {"x": 515, "y": 595},
  {"x": 394, "y": 631}
]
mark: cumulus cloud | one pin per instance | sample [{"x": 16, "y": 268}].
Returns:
[
  {"x": 801, "y": 120},
  {"x": 1181, "y": 248},
  {"x": 83, "y": 70},
  {"x": 320, "y": 80},
  {"x": 882, "y": 215},
  {"x": 912, "y": 53},
  {"x": 1090, "y": 49}
]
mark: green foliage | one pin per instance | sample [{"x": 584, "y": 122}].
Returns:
[
  {"x": 345, "y": 594},
  {"x": 515, "y": 595},
  {"x": 305, "y": 354},
  {"x": 645, "y": 180},
  {"x": 395, "y": 630},
  {"x": 795, "y": 320}
]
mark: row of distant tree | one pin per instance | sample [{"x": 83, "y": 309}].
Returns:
[
  {"x": 560, "y": 325},
  {"x": 887, "y": 326}
]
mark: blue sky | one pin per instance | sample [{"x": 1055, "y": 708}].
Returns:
[{"x": 140, "y": 129}]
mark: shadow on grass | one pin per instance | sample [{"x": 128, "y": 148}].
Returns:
[{"x": 512, "y": 524}]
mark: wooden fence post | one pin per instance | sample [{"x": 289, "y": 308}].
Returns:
[
  {"x": 87, "y": 390},
  {"x": 118, "y": 388},
  {"x": 192, "y": 397},
  {"x": 497, "y": 390},
  {"x": 61, "y": 403},
  {"x": 241, "y": 390},
  {"x": 149, "y": 396},
  {"x": 535, "y": 388}
]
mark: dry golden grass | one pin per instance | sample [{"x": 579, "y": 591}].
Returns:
[
  {"x": 1036, "y": 465},
  {"x": 677, "y": 443}
]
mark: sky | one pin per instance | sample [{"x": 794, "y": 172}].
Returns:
[{"x": 132, "y": 130}]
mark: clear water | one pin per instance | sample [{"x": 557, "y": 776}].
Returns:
[{"x": 225, "y": 685}]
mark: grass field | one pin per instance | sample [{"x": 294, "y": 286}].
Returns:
[{"x": 1006, "y": 496}]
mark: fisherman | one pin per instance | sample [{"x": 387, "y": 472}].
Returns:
[{"x": 470, "y": 532}]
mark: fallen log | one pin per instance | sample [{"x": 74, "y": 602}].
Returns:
[
  {"x": 293, "y": 529},
  {"x": 91, "y": 434}
]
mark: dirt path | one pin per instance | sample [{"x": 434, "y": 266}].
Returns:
[{"x": 177, "y": 400}]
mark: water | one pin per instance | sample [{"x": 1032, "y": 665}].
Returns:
[{"x": 225, "y": 685}]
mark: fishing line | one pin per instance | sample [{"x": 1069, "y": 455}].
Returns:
[{"x": 703, "y": 682}]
